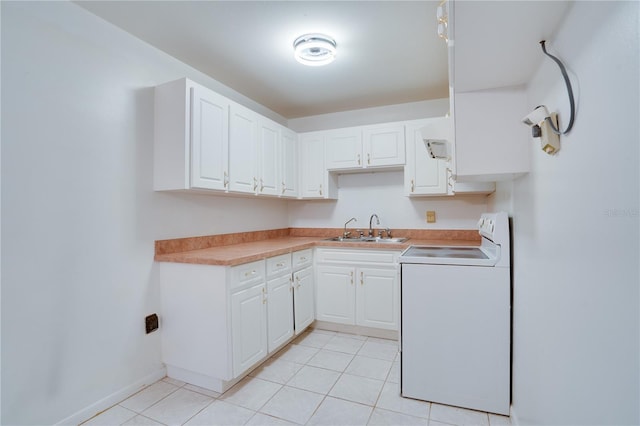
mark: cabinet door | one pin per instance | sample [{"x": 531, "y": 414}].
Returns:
[
  {"x": 384, "y": 146},
  {"x": 312, "y": 165},
  {"x": 248, "y": 327},
  {"x": 243, "y": 146},
  {"x": 343, "y": 149},
  {"x": 335, "y": 294},
  {"x": 209, "y": 139},
  {"x": 289, "y": 163},
  {"x": 268, "y": 157},
  {"x": 303, "y": 300},
  {"x": 423, "y": 175},
  {"x": 279, "y": 311},
  {"x": 377, "y": 303}
]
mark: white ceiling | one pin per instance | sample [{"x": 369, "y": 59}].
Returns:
[{"x": 388, "y": 51}]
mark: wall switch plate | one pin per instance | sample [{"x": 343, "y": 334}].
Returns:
[
  {"x": 151, "y": 323},
  {"x": 431, "y": 216}
]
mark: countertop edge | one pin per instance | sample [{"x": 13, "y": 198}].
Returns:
[{"x": 224, "y": 255}]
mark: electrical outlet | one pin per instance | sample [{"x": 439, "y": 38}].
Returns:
[
  {"x": 151, "y": 323},
  {"x": 431, "y": 216}
]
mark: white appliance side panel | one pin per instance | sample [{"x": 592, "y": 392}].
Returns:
[{"x": 456, "y": 335}]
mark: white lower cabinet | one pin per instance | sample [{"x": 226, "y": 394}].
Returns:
[
  {"x": 248, "y": 327},
  {"x": 336, "y": 294},
  {"x": 377, "y": 300},
  {"x": 303, "y": 300},
  {"x": 358, "y": 287},
  {"x": 218, "y": 322},
  {"x": 280, "y": 318}
]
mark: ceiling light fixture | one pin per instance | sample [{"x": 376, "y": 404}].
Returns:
[{"x": 314, "y": 49}]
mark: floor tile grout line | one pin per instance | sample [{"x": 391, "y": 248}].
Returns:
[{"x": 201, "y": 410}]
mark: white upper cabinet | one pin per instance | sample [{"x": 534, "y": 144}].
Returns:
[
  {"x": 343, "y": 149},
  {"x": 423, "y": 175},
  {"x": 364, "y": 147},
  {"x": 487, "y": 97},
  {"x": 191, "y": 137},
  {"x": 204, "y": 141},
  {"x": 289, "y": 165},
  {"x": 315, "y": 180},
  {"x": 384, "y": 146},
  {"x": 268, "y": 157},
  {"x": 243, "y": 149},
  {"x": 209, "y": 121},
  {"x": 491, "y": 143}
]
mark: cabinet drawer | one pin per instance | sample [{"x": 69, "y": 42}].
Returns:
[
  {"x": 278, "y": 264},
  {"x": 247, "y": 273},
  {"x": 365, "y": 257},
  {"x": 302, "y": 258}
]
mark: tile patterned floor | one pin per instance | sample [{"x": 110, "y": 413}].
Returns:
[{"x": 321, "y": 378}]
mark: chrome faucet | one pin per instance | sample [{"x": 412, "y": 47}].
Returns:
[
  {"x": 370, "y": 221},
  {"x": 346, "y": 234}
]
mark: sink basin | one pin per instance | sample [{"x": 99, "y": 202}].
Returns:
[{"x": 367, "y": 240}]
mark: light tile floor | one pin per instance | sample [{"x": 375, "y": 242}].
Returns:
[{"x": 321, "y": 378}]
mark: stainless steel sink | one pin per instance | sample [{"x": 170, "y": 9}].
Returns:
[{"x": 368, "y": 240}]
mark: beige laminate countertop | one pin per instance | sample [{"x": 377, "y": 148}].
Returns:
[{"x": 237, "y": 254}]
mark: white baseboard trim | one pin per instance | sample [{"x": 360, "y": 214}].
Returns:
[
  {"x": 514, "y": 417},
  {"x": 356, "y": 329},
  {"x": 111, "y": 400}
]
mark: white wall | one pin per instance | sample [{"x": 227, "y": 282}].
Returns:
[
  {"x": 362, "y": 194},
  {"x": 360, "y": 117},
  {"x": 79, "y": 216},
  {"x": 576, "y": 232}
]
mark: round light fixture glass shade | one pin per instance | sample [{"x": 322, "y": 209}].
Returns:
[{"x": 314, "y": 49}]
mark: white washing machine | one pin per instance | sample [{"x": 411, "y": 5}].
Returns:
[{"x": 456, "y": 321}]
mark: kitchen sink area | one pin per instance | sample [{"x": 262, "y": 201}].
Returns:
[{"x": 381, "y": 240}]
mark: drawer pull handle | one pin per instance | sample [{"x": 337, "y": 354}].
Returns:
[
  {"x": 302, "y": 259},
  {"x": 351, "y": 274},
  {"x": 369, "y": 159},
  {"x": 413, "y": 186},
  {"x": 248, "y": 274},
  {"x": 358, "y": 159},
  {"x": 280, "y": 265},
  {"x": 255, "y": 183},
  {"x": 361, "y": 278}
]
